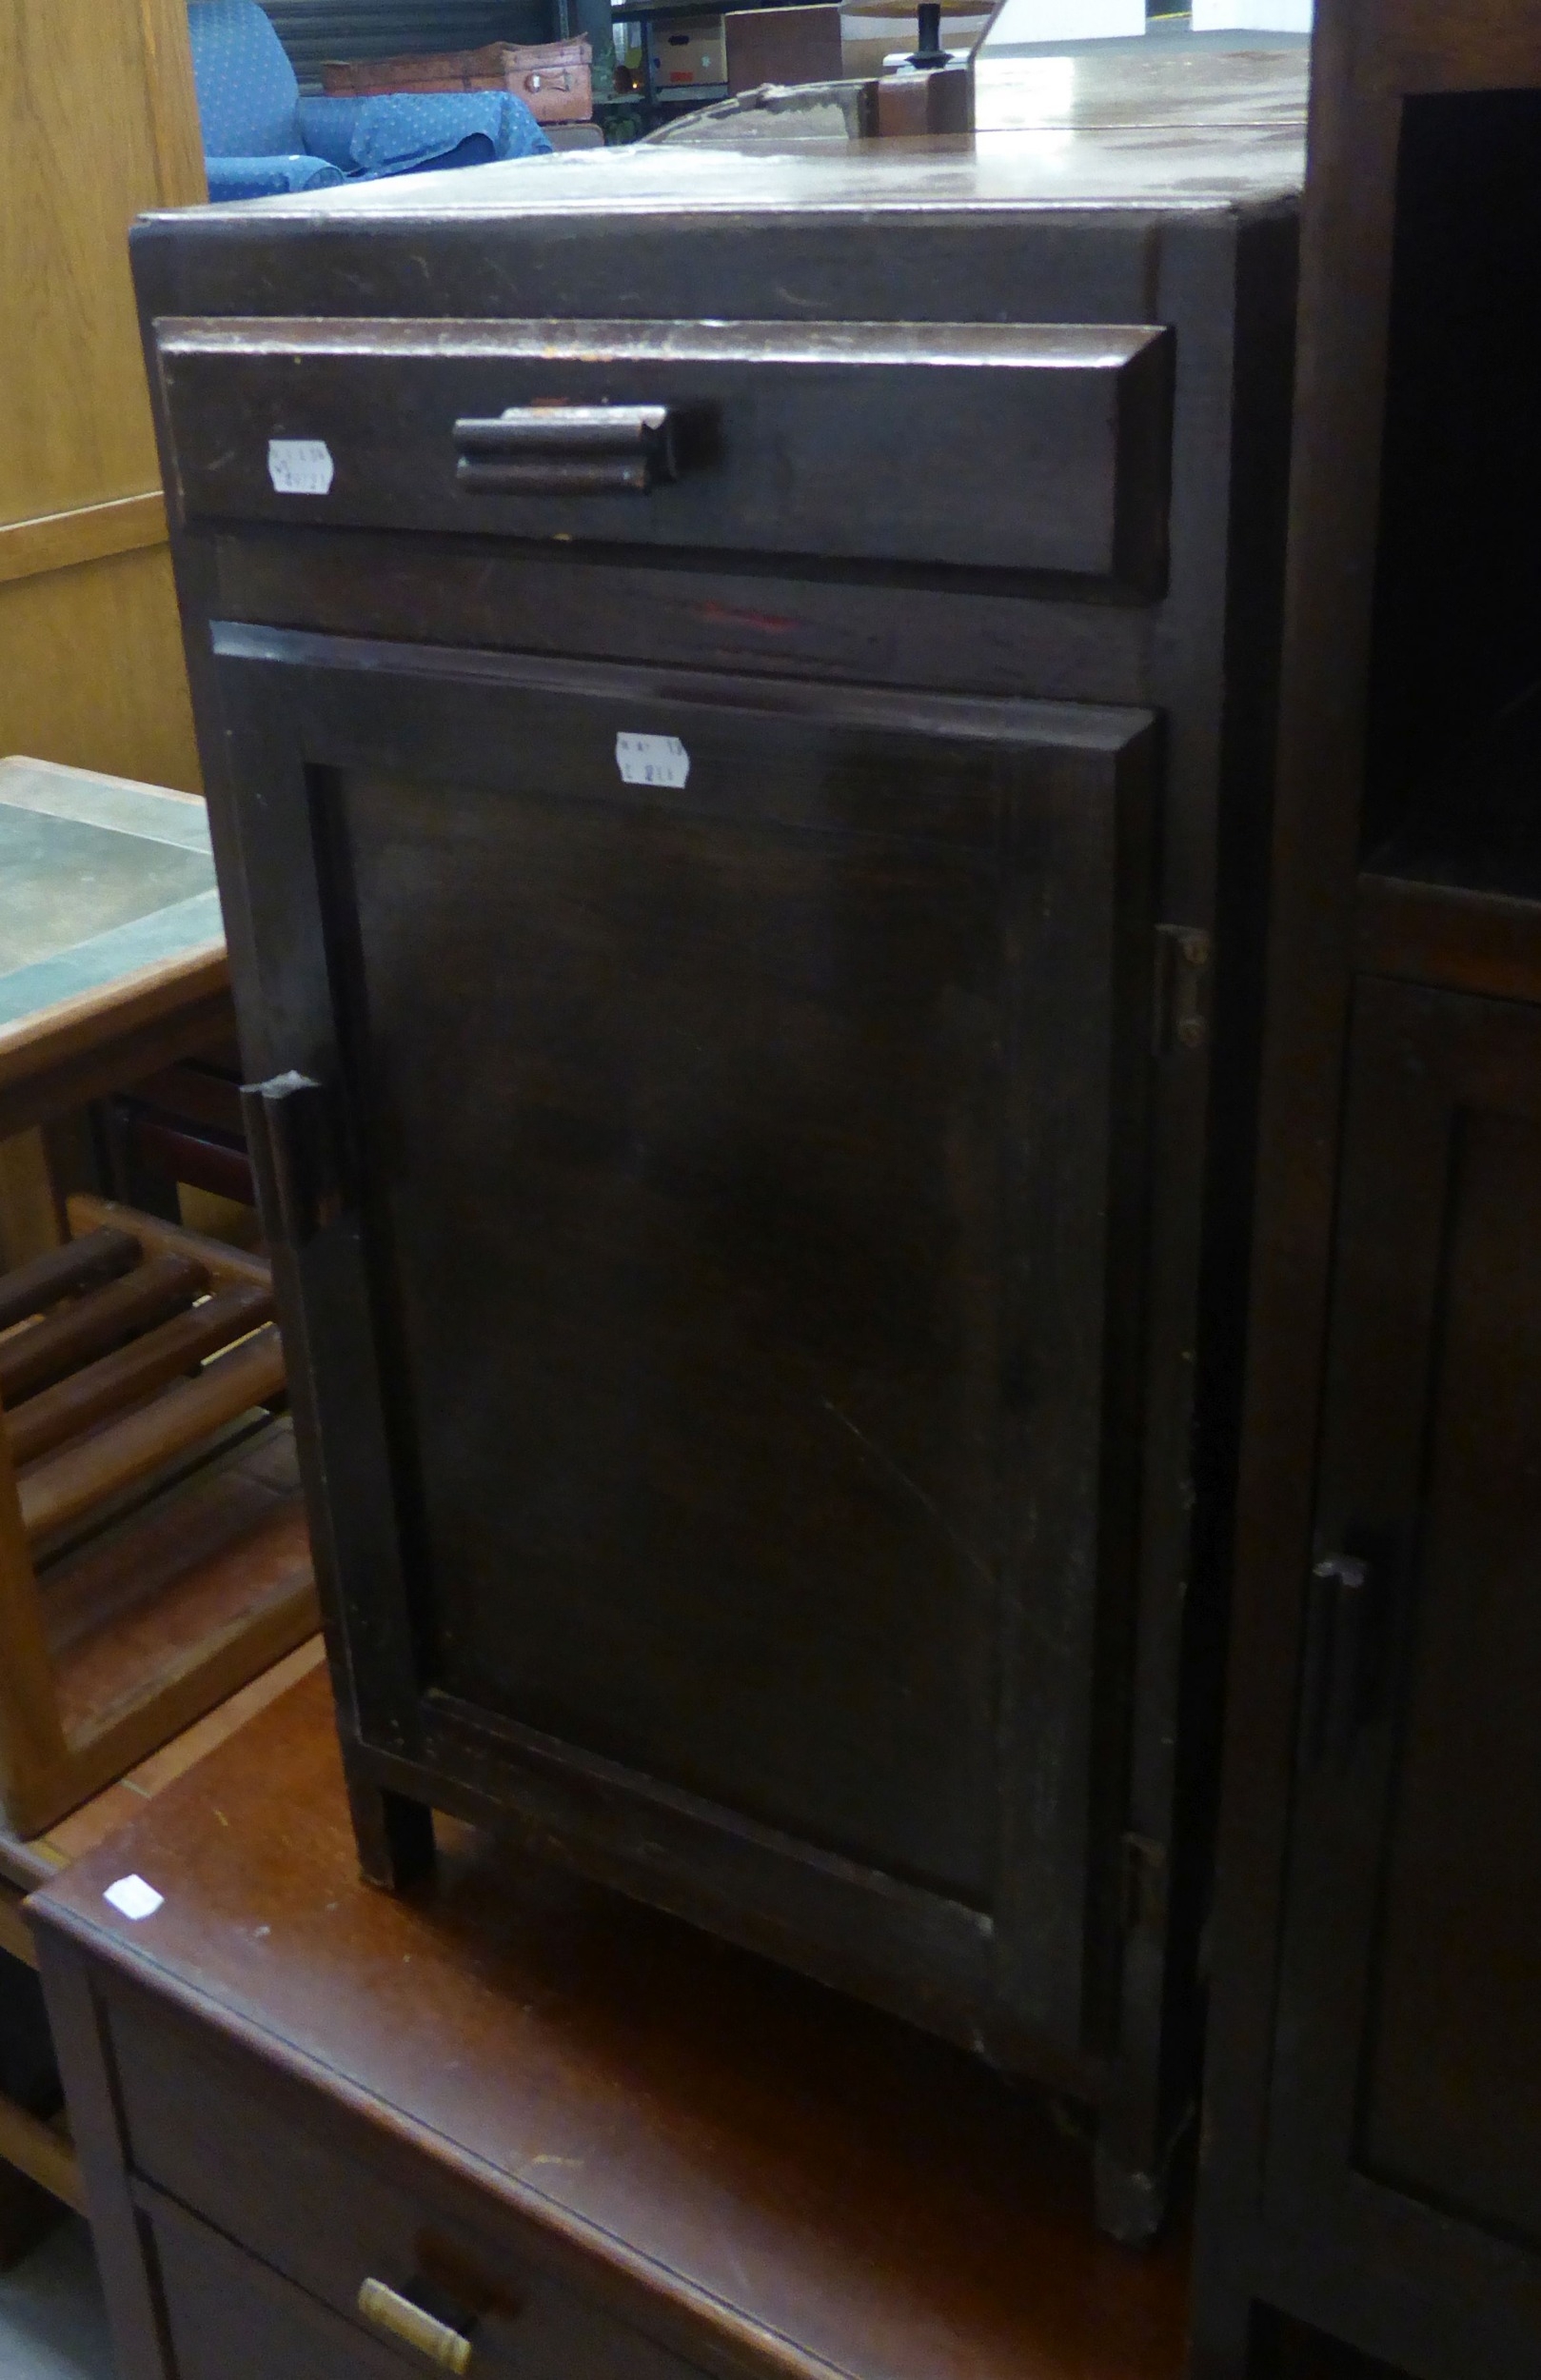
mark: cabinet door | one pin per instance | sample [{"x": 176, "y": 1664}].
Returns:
[
  {"x": 723, "y": 1352},
  {"x": 1406, "y": 2140}
]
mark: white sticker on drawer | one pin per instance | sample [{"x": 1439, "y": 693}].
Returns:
[
  {"x": 652, "y": 760},
  {"x": 300, "y": 467}
]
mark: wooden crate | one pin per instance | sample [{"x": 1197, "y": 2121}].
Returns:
[{"x": 154, "y": 1552}]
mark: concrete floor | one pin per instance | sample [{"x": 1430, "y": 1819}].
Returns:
[{"x": 53, "y": 2321}]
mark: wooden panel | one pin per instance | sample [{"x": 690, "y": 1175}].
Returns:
[
  {"x": 734, "y": 1411},
  {"x": 721, "y": 1316},
  {"x": 1407, "y": 2118},
  {"x": 808, "y": 438},
  {"x": 85, "y": 147},
  {"x": 1453, "y": 2081},
  {"x": 100, "y": 121},
  {"x": 1467, "y": 942},
  {"x": 94, "y": 674},
  {"x": 175, "y": 132},
  {"x": 58, "y": 541}
]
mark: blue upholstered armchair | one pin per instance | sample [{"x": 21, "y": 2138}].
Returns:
[{"x": 261, "y": 137}]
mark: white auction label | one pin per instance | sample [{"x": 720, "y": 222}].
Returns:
[
  {"x": 652, "y": 760},
  {"x": 135, "y": 1896},
  {"x": 300, "y": 467}
]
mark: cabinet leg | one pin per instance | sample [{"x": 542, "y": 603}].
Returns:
[
  {"x": 1222, "y": 2340},
  {"x": 395, "y": 1836},
  {"x": 1131, "y": 2202}
]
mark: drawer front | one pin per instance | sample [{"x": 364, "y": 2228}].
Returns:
[
  {"x": 229, "y": 2318},
  {"x": 1024, "y": 447},
  {"x": 324, "y": 2206}
]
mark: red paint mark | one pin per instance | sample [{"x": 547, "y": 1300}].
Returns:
[{"x": 766, "y": 622}]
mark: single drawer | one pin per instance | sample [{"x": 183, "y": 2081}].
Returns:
[
  {"x": 1022, "y": 448},
  {"x": 327, "y": 2205},
  {"x": 229, "y": 2318}
]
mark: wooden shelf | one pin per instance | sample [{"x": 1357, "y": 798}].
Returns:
[
  {"x": 1449, "y": 938},
  {"x": 44, "y": 2155},
  {"x": 15, "y": 1934}
]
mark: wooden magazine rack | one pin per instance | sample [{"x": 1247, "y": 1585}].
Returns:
[{"x": 153, "y": 1553}]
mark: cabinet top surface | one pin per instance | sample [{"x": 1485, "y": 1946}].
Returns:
[
  {"x": 1141, "y": 125},
  {"x": 868, "y": 2197}
]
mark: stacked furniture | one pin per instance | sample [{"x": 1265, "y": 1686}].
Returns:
[
  {"x": 260, "y": 136},
  {"x": 521, "y": 2128},
  {"x": 1374, "y": 2124},
  {"x": 746, "y": 949}
]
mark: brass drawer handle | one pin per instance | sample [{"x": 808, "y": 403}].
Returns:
[{"x": 388, "y": 2311}]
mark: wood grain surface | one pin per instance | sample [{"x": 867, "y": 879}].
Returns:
[
  {"x": 101, "y": 122},
  {"x": 713, "y": 2135}
]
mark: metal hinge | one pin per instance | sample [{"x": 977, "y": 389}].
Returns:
[
  {"x": 1145, "y": 1884},
  {"x": 1184, "y": 966}
]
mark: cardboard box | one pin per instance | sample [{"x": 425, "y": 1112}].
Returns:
[
  {"x": 689, "y": 50},
  {"x": 783, "y": 46}
]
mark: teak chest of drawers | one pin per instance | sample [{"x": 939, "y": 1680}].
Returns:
[
  {"x": 579, "y": 2137},
  {"x": 736, "y": 698}
]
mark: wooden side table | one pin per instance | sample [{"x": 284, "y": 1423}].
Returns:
[{"x": 532, "y": 2128}]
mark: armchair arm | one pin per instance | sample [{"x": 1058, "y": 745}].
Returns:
[
  {"x": 405, "y": 131},
  {"x": 267, "y": 177}
]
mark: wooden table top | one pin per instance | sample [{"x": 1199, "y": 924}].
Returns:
[{"x": 815, "y": 2176}]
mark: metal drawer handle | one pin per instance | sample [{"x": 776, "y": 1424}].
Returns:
[
  {"x": 568, "y": 450},
  {"x": 388, "y": 2311}
]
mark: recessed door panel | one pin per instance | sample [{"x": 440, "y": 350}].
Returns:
[
  {"x": 694, "y": 1183},
  {"x": 1407, "y": 2112},
  {"x": 744, "y": 1088}
]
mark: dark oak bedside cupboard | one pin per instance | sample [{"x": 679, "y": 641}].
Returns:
[
  {"x": 737, "y": 697},
  {"x": 511, "y": 2124}
]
